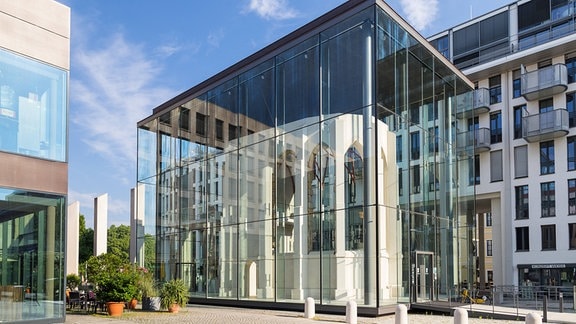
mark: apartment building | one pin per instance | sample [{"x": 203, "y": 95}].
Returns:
[
  {"x": 34, "y": 65},
  {"x": 522, "y": 60}
]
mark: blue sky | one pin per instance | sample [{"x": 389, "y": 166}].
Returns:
[{"x": 128, "y": 56}]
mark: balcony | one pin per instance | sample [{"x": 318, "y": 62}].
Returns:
[
  {"x": 544, "y": 82},
  {"x": 479, "y": 138},
  {"x": 480, "y": 102},
  {"x": 545, "y": 126}
]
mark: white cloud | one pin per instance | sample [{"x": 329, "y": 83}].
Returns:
[
  {"x": 272, "y": 9},
  {"x": 112, "y": 88},
  {"x": 115, "y": 207},
  {"x": 420, "y": 13},
  {"x": 215, "y": 37}
]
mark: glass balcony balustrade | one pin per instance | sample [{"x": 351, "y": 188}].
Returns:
[
  {"x": 478, "y": 138},
  {"x": 480, "y": 102},
  {"x": 544, "y": 82},
  {"x": 545, "y": 126}
]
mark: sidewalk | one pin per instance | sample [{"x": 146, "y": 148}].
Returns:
[{"x": 214, "y": 314}]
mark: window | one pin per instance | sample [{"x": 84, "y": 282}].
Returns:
[
  {"x": 474, "y": 170},
  {"x": 547, "y": 157},
  {"x": 200, "y": 124},
  {"x": 546, "y": 105},
  {"x": 433, "y": 142},
  {"x": 572, "y": 236},
  {"x": 571, "y": 67},
  {"x": 398, "y": 148},
  {"x": 495, "y": 90},
  {"x": 495, "y": 127},
  {"x": 232, "y": 132},
  {"x": 518, "y": 110},
  {"x": 522, "y": 239},
  {"x": 415, "y": 145},
  {"x": 571, "y": 109},
  {"x": 521, "y": 161},
  {"x": 219, "y": 129},
  {"x": 415, "y": 114},
  {"x": 522, "y": 202},
  {"x": 548, "y": 237},
  {"x": 400, "y": 182},
  {"x": 442, "y": 44},
  {"x": 473, "y": 124},
  {"x": 488, "y": 247},
  {"x": 516, "y": 84},
  {"x": 571, "y": 196},
  {"x": 548, "y": 196},
  {"x": 165, "y": 118},
  {"x": 416, "y": 179},
  {"x": 353, "y": 167},
  {"x": 571, "y": 152},
  {"x": 496, "y": 166},
  {"x": 185, "y": 119},
  {"x": 488, "y": 217}
]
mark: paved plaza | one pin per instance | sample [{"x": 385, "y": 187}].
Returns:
[{"x": 222, "y": 315}]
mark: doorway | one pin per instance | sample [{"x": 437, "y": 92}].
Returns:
[{"x": 424, "y": 276}]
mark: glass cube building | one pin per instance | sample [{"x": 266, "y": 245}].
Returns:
[{"x": 325, "y": 165}]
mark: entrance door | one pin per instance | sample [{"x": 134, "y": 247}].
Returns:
[{"x": 424, "y": 276}]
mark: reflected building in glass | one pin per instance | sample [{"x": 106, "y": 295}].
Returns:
[
  {"x": 34, "y": 65},
  {"x": 324, "y": 165}
]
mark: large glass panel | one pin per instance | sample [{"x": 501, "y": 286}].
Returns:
[
  {"x": 256, "y": 260},
  {"x": 298, "y": 86},
  {"x": 31, "y": 255},
  {"x": 33, "y": 113}
]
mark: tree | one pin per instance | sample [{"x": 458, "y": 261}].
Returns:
[
  {"x": 86, "y": 241},
  {"x": 149, "y": 252},
  {"x": 119, "y": 242}
]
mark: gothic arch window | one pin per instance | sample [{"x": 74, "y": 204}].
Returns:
[
  {"x": 354, "y": 180},
  {"x": 321, "y": 180}
]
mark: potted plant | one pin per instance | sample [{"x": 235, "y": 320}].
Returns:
[
  {"x": 174, "y": 294},
  {"x": 116, "y": 289},
  {"x": 149, "y": 291}
]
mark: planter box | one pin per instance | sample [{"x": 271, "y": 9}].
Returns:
[{"x": 151, "y": 303}]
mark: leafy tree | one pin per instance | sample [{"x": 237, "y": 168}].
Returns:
[
  {"x": 100, "y": 267},
  {"x": 86, "y": 241},
  {"x": 149, "y": 252},
  {"x": 119, "y": 242}
]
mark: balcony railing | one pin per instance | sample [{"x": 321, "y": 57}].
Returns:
[
  {"x": 544, "y": 82},
  {"x": 479, "y": 138},
  {"x": 479, "y": 98},
  {"x": 545, "y": 126}
]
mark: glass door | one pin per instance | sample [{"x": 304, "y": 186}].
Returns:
[{"x": 424, "y": 276}]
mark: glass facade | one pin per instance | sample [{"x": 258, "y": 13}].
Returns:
[
  {"x": 32, "y": 108},
  {"x": 31, "y": 255},
  {"x": 296, "y": 186}
]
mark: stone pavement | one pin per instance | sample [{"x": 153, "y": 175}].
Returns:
[{"x": 223, "y": 315}]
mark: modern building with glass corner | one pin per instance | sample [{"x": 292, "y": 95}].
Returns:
[
  {"x": 34, "y": 65},
  {"x": 324, "y": 165}
]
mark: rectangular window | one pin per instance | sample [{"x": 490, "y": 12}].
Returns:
[
  {"x": 232, "y": 132},
  {"x": 571, "y": 67},
  {"x": 415, "y": 114},
  {"x": 185, "y": 119},
  {"x": 572, "y": 236},
  {"x": 219, "y": 129},
  {"x": 571, "y": 196},
  {"x": 399, "y": 148},
  {"x": 488, "y": 247},
  {"x": 474, "y": 170},
  {"x": 400, "y": 182},
  {"x": 522, "y": 202},
  {"x": 518, "y": 111},
  {"x": 416, "y": 179},
  {"x": 521, "y": 161},
  {"x": 415, "y": 145},
  {"x": 547, "y": 157},
  {"x": 548, "y": 237},
  {"x": 488, "y": 217},
  {"x": 546, "y": 105},
  {"x": 433, "y": 141},
  {"x": 548, "y": 196},
  {"x": 495, "y": 89},
  {"x": 496, "y": 166},
  {"x": 200, "y": 124},
  {"x": 522, "y": 239},
  {"x": 571, "y": 109},
  {"x": 496, "y": 127},
  {"x": 516, "y": 84},
  {"x": 571, "y": 152}
]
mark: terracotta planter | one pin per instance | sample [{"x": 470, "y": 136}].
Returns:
[
  {"x": 133, "y": 303},
  {"x": 174, "y": 308},
  {"x": 115, "y": 308}
]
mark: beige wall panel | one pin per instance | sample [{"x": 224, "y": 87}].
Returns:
[
  {"x": 33, "y": 174},
  {"x": 33, "y": 40},
  {"x": 47, "y": 14}
]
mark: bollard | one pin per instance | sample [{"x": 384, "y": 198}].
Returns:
[
  {"x": 309, "y": 308},
  {"x": 401, "y": 315},
  {"x": 533, "y": 318},
  {"x": 561, "y": 297},
  {"x": 460, "y": 316},
  {"x": 545, "y": 310},
  {"x": 351, "y": 312}
]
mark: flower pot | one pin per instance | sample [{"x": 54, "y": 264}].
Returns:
[
  {"x": 174, "y": 308},
  {"x": 133, "y": 303},
  {"x": 115, "y": 308},
  {"x": 151, "y": 303}
]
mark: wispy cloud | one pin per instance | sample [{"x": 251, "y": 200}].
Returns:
[
  {"x": 215, "y": 37},
  {"x": 420, "y": 13},
  {"x": 114, "y": 87},
  {"x": 272, "y": 9}
]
